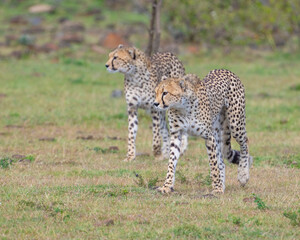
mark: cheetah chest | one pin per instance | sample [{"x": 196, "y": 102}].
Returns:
[
  {"x": 197, "y": 123},
  {"x": 141, "y": 95}
]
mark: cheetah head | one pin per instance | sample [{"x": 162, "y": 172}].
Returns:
[
  {"x": 170, "y": 93},
  {"x": 121, "y": 60}
]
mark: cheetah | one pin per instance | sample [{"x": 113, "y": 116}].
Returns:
[
  {"x": 142, "y": 74},
  {"x": 213, "y": 109}
]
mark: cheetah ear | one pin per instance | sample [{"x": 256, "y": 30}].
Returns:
[
  {"x": 132, "y": 53},
  {"x": 187, "y": 77},
  {"x": 191, "y": 77},
  {"x": 120, "y": 46},
  {"x": 182, "y": 84},
  {"x": 164, "y": 78}
]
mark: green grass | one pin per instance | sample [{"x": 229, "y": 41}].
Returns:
[
  {"x": 69, "y": 186},
  {"x": 76, "y": 188}
]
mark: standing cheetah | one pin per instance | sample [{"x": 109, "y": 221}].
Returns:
[
  {"x": 213, "y": 109},
  {"x": 142, "y": 74}
]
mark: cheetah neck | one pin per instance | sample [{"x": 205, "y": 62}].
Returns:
[
  {"x": 191, "y": 97},
  {"x": 185, "y": 105},
  {"x": 141, "y": 71}
]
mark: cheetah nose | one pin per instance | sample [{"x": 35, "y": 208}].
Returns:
[
  {"x": 156, "y": 104},
  {"x": 106, "y": 65}
]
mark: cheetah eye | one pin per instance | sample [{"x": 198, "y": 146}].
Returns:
[
  {"x": 115, "y": 57},
  {"x": 165, "y": 93}
]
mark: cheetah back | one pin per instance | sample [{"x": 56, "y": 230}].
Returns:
[
  {"x": 223, "y": 88},
  {"x": 167, "y": 65}
]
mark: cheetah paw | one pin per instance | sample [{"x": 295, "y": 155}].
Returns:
[
  {"x": 165, "y": 190},
  {"x": 129, "y": 159},
  {"x": 217, "y": 191},
  {"x": 166, "y": 156},
  {"x": 159, "y": 157},
  {"x": 243, "y": 176}
]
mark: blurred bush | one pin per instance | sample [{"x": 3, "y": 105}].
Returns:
[
  {"x": 268, "y": 24},
  {"x": 271, "y": 23}
]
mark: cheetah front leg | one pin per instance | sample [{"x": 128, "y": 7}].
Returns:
[
  {"x": 132, "y": 130},
  {"x": 184, "y": 143},
  {"x": 211, "y": 147},
  {"x": 165, "y": 135},
  {"x": 175, "y": 144},
  {"x": 156, "y": 144}
]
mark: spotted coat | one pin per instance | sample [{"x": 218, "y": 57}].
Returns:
[
  {"x": 213, "y": 109},
  {"x": 142, "y": 74}
]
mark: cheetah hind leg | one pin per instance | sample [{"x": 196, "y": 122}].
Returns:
[
  {"x": 233, "y": 156},
  {"x": 239, "y": 133}
]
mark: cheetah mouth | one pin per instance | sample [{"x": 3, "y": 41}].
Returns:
[
  {"x": 164, "y": 107},
  {"x": 112, "y": 70},
  {"x": 160, "y": 108}
]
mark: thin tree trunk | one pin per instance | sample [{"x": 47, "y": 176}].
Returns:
[
  {"x": 157, "y": 27},
  {"x": 154, "y": 31}
]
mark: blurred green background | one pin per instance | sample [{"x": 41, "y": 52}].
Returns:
[{"x": 188, "y": 26}]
